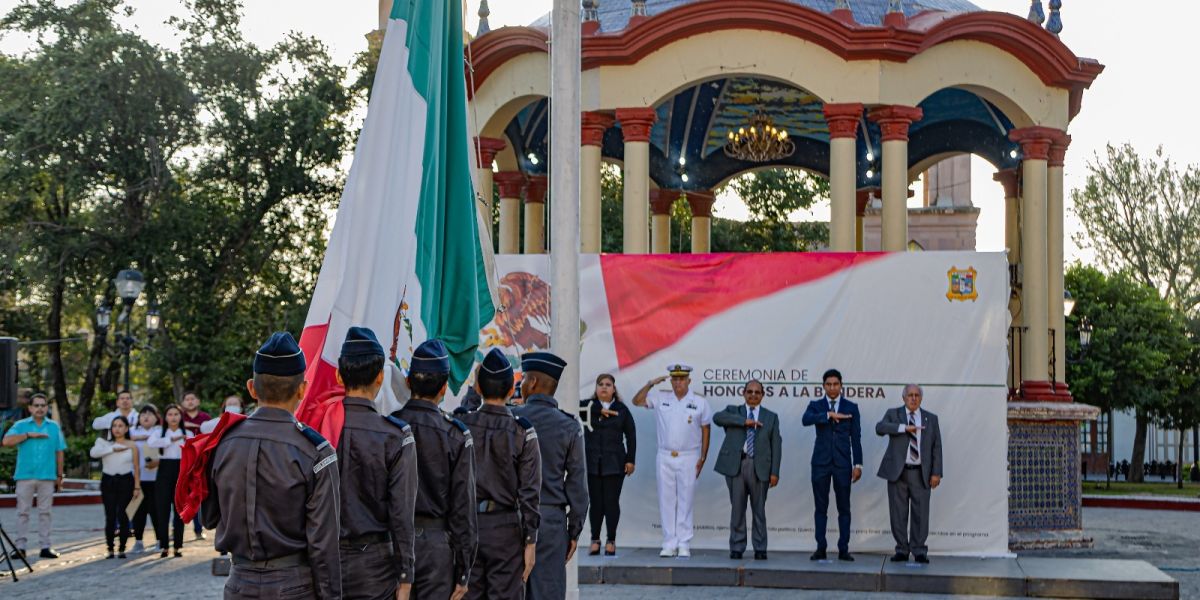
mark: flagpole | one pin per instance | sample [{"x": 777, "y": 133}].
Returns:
[{"x": 564, "y": 211}]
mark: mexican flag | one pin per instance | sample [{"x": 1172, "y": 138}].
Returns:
[{"x": 408, "y": 256}]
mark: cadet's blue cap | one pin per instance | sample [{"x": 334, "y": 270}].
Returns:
[
  {"x": 361, "y": 341},
  {"x": 495, "y": 367},
  {"x": 430, "y": 357},
  {"x": 280, "y": 355},
  {"x": 543, "y": 362}
]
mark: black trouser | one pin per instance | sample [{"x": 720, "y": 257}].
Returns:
[
  {"x": 434, "y": 576},
  {"x": 293, "y": 583},
  {"x": 500, "y": 561},
  {"x": 369, "y": 572},
  {"x": 164, "y": 498},
  {"x": 605, "y": 493},
  {"x": 116, "y": 491},
  {"x": 148, "y": 508}
]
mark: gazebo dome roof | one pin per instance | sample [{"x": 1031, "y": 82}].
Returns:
[{"x": 614, "y": 14}]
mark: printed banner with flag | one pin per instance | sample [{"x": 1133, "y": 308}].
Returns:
[{"x": 405, "y": 257}]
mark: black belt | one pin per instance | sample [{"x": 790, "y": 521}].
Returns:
[
  {"x": 291, "y": 560},
  {"x": 429, "y": 522},
  {"x": 491, "y": 506},
  {"x": 912, "y": 466},
  {"x": 364, "y": 540}
]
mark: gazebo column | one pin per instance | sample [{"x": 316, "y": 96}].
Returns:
[
  {"x": 511, "y": 184},
  {"x": 594, "y": 126},
  {"x": 701, "y": 204},
  {"x": 1010, "y": 179},
  {"x": 862, "y": 198},
  {"x": 1054, "y": 256},
  {"x": 635, "y": 127},
  {"x": 535, "y": 214},
  {"x": 843, "y": 122},
  {"x": 486, "y": 149},
  {"x": 660, "y": 224},
  {"x": 1035, "y": 368},
  {"x": 894, "y": 122}
]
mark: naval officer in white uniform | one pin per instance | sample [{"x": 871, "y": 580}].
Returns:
[{"x": 684, "y": 420}]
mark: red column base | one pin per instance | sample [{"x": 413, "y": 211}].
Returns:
[
  {"x": 1062, "y": 392},
  {"x": 1038, "y": 391}
]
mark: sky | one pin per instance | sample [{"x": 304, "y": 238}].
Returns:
[{"x": 1137, "y": 100}]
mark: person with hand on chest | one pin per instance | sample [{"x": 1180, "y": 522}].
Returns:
[
  {"x": 837, "y": 458},
  {"x": 912, "y": 466},
  {"x": 684, "y": 421},
  {"x": 749, "y": 459}
]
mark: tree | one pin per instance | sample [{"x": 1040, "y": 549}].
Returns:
[
  {"x": 1142, "y": 215},
  {"x": 1139, "y": 350},
  {"x": 212, "y": 169}
]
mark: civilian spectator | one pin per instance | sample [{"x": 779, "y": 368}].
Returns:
[
  {"x": 169, "y": 439},
  {"x": 121, "y": 480},
  {"x": 610, "y": 445},
  {"x": 231, "y": 404},
  {"x": 40, "y": 445},
  {"x": 124, "y": 409},
  {"x": 148, "y": 421}
]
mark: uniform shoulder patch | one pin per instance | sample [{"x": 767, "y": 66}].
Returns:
[
  {"x": 461, "y": 410},
  {"x": 466, "y": 431},
  {"x": 569, "y": 415},
  {"x": 527, "y": 425},
  {"x": 398, "y": 422},
  {"x": 312, "y": 436}
]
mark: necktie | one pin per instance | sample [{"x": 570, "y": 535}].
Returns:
[
  {"x": 750, "y": 435},
  {"x": 832, "y": 404},
  {"x": 914, "y": 449}
]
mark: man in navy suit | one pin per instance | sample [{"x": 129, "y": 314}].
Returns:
[{"x": 836, "y": 458}]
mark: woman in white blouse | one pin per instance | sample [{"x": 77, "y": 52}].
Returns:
[
  {"x": 169, "y": 439},
  {"x": 148, "y": 421},
  {"x": 121, "y": 482}
]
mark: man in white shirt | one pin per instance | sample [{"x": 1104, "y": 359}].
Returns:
[
  {"x": 912, "y": 466},
  {"x": 124, "y": 409},
  {"x": 683, "y": 423}
]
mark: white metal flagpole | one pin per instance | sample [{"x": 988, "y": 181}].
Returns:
[{"x": 564, "y": 211}]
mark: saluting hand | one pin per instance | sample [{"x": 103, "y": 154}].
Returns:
[
  {"x": 605, "y": 412},
  {"x": 657, "y": 380},
  {"x": 913, "y": 428},
  {"x": 751, "y": 423}
]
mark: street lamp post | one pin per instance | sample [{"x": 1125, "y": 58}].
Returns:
[{"x": 129, "y": 284}]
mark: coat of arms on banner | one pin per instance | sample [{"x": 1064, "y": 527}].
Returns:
[{"x": 962, "y": 284}]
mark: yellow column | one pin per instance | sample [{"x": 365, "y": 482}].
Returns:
[
  {"x": 660, "y": 220},
  {"x": 701, "y": 204},
  {"x": 893, "y": 123},
  {"x": 486, "y": 150},
  {"x": 843, "y": 120},
  {"x": 511, "y": 184},
  {"x": 1010, "y": 179},
  {"x": 635, "y": 127},
  {"x": 594, "y": 126},
  {"x": 1035, "y": 367},
  {"x": 535, "y": 215},
  {"x": 1054, "y": 256}
]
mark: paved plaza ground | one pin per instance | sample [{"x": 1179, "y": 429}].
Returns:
[{"x": 1167, "y": 540}]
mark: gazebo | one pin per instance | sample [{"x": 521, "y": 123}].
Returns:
[{"x": 684, "y": 95}]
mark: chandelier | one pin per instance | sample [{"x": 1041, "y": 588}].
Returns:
[{"x": 759, "y": 141}]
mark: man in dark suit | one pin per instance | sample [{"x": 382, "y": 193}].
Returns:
[
  {"x": 912, "y": 466},
  {"x": 836, "y": 458},
  {"x": 749, "y": 460}
]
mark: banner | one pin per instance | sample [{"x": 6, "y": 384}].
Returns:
[{"x": 938, "y": 319}]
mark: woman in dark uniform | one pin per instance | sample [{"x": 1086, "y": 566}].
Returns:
[{"x": 610, "y": 445}]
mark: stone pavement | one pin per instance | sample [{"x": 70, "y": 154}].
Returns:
[{"x": 1168, "y": 540}]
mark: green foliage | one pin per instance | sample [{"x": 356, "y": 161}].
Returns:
[
  {"x": 212, "y": 169},
  {"x": 1142, "y": 215}
]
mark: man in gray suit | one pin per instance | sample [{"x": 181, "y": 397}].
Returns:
[
  {"x": 749, "y": 460},
  {"x": 912, "y": 466}
]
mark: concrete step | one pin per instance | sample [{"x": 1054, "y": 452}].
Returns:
[{"x": 1031, "y": 577}]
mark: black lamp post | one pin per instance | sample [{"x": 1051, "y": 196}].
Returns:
[{"x": 129, "y": 284}]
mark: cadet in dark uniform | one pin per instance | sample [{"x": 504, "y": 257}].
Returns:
[
  {"x": 273, "y": 490},
  {"x": 446, "y": 523},
  {"x": 508, "y": 486},
  {"x": 379, "y": 480},
  {"x": 564, "y": 475}
]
